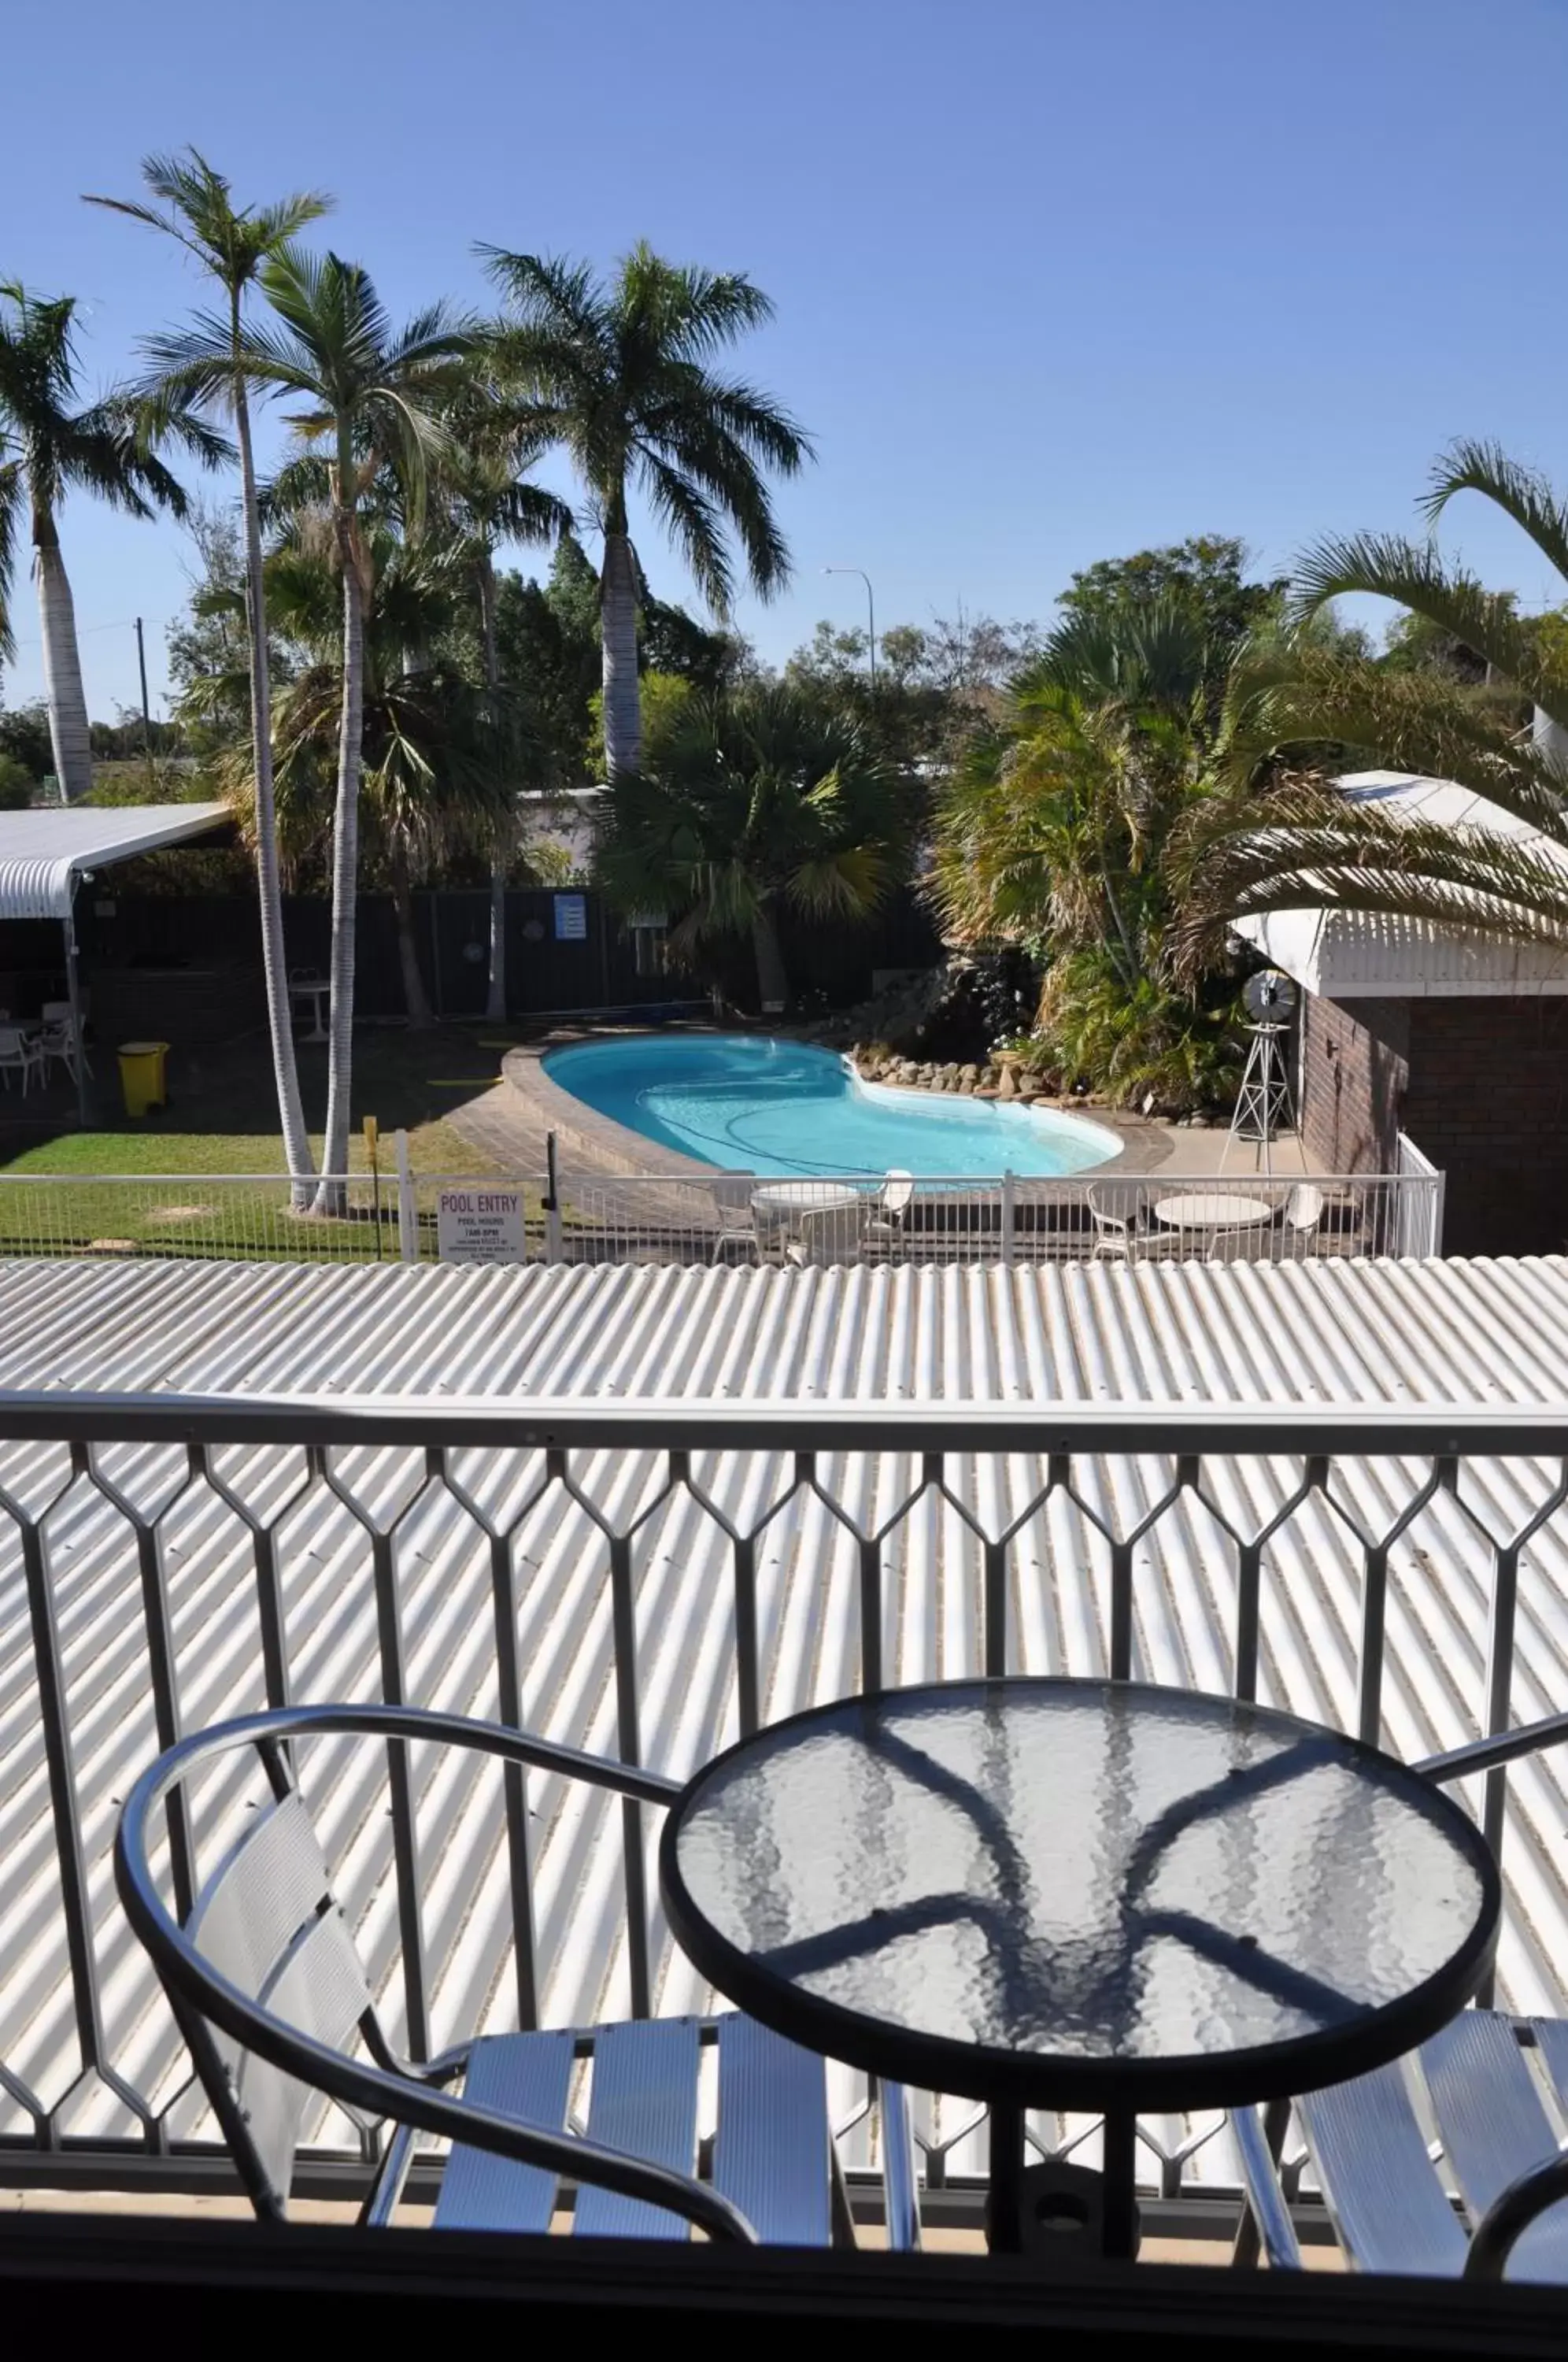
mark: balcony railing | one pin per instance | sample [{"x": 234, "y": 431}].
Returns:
[{"x": 651, "y": 1583}]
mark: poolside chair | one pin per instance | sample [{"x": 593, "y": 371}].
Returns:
[
  {"x": 1303, "y": 1216},
  {"x": 1117, "y": 1237},
  {"x": 20, "y": 1054},
  {"x": 739, "y": 1231},
  {"x": 270, "y": 1992},
  {"x": 826, "y": 1235},
  {"x": 888, "y": 1218}
]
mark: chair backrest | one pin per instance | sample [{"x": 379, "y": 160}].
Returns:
[
  {"x": 732, "y": 1202},
  {"x": 1304, "y": 1207},
  {"x": 831, "y": 1234},
  {"x": 57, "y": 1012},
  {"x": 898, "y": 1192},
  {"x": 1113, "y": 1225},
  {"x": 14, "y": 1043},
  {"x": 267, "y": 1921}
]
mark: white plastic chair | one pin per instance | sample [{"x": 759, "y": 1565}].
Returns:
[
  {"x": 20, "y": 1054},
  {"x": 827, "y": 1235},
  {"x": 1116, "y": 1236},
  {"x": 1303, "y": 1213},
  {"x": 888, "y": 1220},
  {"x": 737, "y": 1224},
  {"x": 61, "y": 1038}
]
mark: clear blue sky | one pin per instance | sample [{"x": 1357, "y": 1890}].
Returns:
[{"x": 1055, "y": 279}]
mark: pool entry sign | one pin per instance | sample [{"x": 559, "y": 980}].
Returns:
[
  {"x": 571, "y": 918},
  {"x": 479, "y": 1225}
]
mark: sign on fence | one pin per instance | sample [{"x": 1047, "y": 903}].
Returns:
[
  {"x": 478, "y": 1225},
  {"x": 571, "y": 918}
]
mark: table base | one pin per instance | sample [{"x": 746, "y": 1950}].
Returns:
[{"x": 1054, "y": 2210}]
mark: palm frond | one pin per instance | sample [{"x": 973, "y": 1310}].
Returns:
[
  {"x": 1423, "y": 724},
  {"x": 692, "y": 523},
  {"x": 11, "y": 525},
  {"x": 1413, "y": 574},
  {"x": 1473, "y": 466},
  {"x": 1310, "y": 847}
]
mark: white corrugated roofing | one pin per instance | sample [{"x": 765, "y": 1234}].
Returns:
[
  {"x": 1329, "y": 1332},
  {"x": 1350, "y": 953},
  {"x": 43, "y": 853}
]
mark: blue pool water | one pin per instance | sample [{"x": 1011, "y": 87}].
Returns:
[{"x": 752, "y": 1105}]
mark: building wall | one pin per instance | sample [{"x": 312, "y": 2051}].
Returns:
[
  {"x": 1481, "y": 1086},
  {"x": 1353, "y": 1080},
  {"x": 1488, "y": 1103}
]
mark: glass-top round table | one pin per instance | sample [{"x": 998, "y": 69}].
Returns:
[{"x": 1080, "y": 1894}]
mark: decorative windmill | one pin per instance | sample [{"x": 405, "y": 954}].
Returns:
[{"x": 1263, "y": 1105}]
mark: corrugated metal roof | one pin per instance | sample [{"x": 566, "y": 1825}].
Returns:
[
  {"x": 1381, "y": 1334},
  {"x": 1347, "y": 954},
  {"x": 43, "y": 853}
]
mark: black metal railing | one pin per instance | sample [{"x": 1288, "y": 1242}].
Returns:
[{"x": 653, "y": 1582}]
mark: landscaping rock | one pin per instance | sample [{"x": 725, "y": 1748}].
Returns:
[
  {"x": 1030, "y": 1087},
  {"x": 1007, "y": 1087}
]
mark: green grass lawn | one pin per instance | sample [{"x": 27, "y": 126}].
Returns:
[{"x": 217, "y": 1122}]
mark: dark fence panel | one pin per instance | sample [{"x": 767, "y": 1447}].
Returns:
[{"x": 549, "y": 967}]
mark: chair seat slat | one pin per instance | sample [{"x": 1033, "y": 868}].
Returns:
[
  {"x": 528, "y": 2077},
  {"x": 645, "y": 2102},
  {"x": 772, "y": 2149}
]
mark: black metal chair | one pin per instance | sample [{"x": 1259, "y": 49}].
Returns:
[
  {"x": 1475, "y": 2086},
  {"x": 1492, "y": 2088},
  {"x": 267, "y": 1988}
]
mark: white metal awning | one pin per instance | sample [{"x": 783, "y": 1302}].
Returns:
[
  {"x": 1348, "y": 954},
  {"x": 42, "y": 854}
]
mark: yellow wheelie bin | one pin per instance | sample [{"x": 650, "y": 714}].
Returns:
[{"x": 141, "y": 1075}]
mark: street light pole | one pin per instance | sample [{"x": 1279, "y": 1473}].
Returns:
[{"x": 870, "y": 612}]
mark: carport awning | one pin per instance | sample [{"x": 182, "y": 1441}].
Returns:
[{"x": 42, "y": 854}]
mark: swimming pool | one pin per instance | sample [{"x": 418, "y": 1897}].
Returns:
[{"x": 751, "y": 1104}]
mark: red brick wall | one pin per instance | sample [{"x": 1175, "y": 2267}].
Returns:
[
  {"x": 1488, "y": 1103},
  {"x": 1353, "y": 1080}
]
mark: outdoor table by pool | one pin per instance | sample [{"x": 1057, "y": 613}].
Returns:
[
  {"x": 1080, "y": 1894},
  {"x": 314, "y": 989},
  {"x": 792, "y": 1197},
  {"x": 1213, "y": 1209}
]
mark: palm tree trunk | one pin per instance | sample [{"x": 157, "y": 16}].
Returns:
[
  {"x": 495, "y": 997},
  {"x": 772, "y": 978},
  {"x": 618, "y": 620},
  {"x": 269, "y": 897},
  {"x": 415, "y": 1000},
  {"x": 330, "y": 1197},
  {"x": 69, "y": 737}
]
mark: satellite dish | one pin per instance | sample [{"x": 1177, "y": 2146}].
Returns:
[{"x": 1270, "y": 995}]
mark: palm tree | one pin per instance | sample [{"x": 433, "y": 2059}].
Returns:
[
  {"x": 1054, "y": 832},
  {"x": 374, "y": 398},
  {"x": 620, "y": 376},
  {"x": 433, "y": 783},
  {"x": 492, "y": 501},
  {"x": 752, "y": 804},
  {"x": 195, "y": 205},
  {"x": 51, "y": 445},
  {"x": 1285, "y": 837}
]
